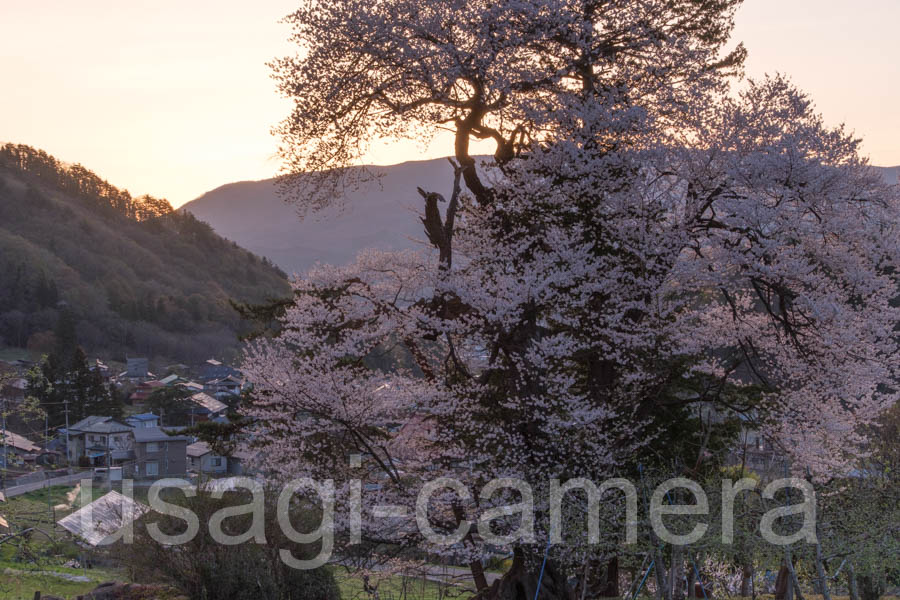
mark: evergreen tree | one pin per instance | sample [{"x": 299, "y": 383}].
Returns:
[
  {"x": 80, "y": 386},
  {"x": 64, "y": 352},
  {"x": 171, "y": 404}
]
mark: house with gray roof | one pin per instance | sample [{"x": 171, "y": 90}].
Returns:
[
  {"x": 104, "y": 441},
  {"x": 137, "y": 368},
  {"x": 202, "y": 459},
  {"x": 14, "y": 447},
  {"x": 158, "y": 454},
  {"x": 206, "y": 408}
]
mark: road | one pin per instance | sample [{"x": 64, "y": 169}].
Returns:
[{"x": 18, "y": 490}]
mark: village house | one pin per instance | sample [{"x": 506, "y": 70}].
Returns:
[
  {"x": 142, "y": 420},
  {"x": 102, "y": 440},
  {"x": 137, "y": 369},
  {"x": 143, "y": 391},
  {"x": 170, "y": 380},
  {"x": 14, "y": 448},
  {"x": 202, "y": 459},
  {"x": 191, "y": 386},
  {"x": 158, "y": 454},
  {"x": 213, "y": 369},
  {"x": 230, "y": 385},
  {"x": 206, "y": 408},
  {"x": 13, "y": 390}
]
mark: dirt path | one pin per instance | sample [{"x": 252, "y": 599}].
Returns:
[{"x": 70, "y": 498}]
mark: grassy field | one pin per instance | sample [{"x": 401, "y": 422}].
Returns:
[
  {"x": 397, "y": 588},
  {"x": 38, "y": 564},
  {"x": 18, "y": 581}
]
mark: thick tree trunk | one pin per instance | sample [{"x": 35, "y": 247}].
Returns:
[{"x": 520, "y": 583}]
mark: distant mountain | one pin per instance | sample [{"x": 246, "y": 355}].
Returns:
[
  {"x": 381, "y": 214},
  {"x": 132, "y": 275}
]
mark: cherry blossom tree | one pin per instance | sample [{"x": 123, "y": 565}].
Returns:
[{"x": 644, "y": 237}]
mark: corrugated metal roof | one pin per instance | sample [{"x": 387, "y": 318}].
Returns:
[
  {"x": 198, "y": 449},
  {"x": 103, "y": 517},
  {"x": 17, "y": 441},
  {"x": 209, "y": 403}
]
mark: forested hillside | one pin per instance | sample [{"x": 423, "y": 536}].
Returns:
[{"x": 136, "y": 276}]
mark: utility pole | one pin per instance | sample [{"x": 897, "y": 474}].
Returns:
[
  {"x": 66, "y": 403},
  {"x": 5, "y": 452}
]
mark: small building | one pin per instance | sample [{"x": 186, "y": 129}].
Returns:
[
  {"x": 103, "y": 440},
  {"x": 13, "y": 390},
  {"x": 14, "y": 448},
  {"x": 230, "y": 385},
  {"x": 158, "y": 454},
  {"x": 213, "y": 369},
  {"x": 102, "y": 518},
  {"x": 206, "y": 408},
  {"x": 241, "y": 461},
  {"x": 202, "y": 459},
  {"x": 137, "y": 368},
  {"x": 143, "y": 391},
  {"x": 142, "y": 420},
  {"x": 170, "y": 380},
  {"x": 191, "y": 386}
]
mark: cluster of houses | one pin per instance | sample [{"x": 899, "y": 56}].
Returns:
[
  {"x": 138, "y": 446},
  {"x": 141, "y": 446},
  {"x": 142, "y": 449}
]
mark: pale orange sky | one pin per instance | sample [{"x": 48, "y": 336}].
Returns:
[{"x": 173, "y": 98}]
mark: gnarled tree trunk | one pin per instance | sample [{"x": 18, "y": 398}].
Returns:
[{"x": 521, "y": 583}]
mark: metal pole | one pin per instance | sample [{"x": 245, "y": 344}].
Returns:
[
  {"x": 5, "y": 447},
  {"x": 66, "y": 403}
]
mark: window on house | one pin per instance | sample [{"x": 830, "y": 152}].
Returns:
[
  {"x": 216, "y": 461},
  {"x": 153, "y": 468},
  {"x": 153, "y": 447}
]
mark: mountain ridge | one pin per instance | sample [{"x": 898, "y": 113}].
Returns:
[
  {"x": 382, "y": 214},
  {"x": 137, "y": 277}
]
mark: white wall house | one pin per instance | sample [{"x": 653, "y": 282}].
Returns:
[{"x": 202, "y": 459}]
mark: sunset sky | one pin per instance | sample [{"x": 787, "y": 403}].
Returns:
[{"x": 174, "y": 99}]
